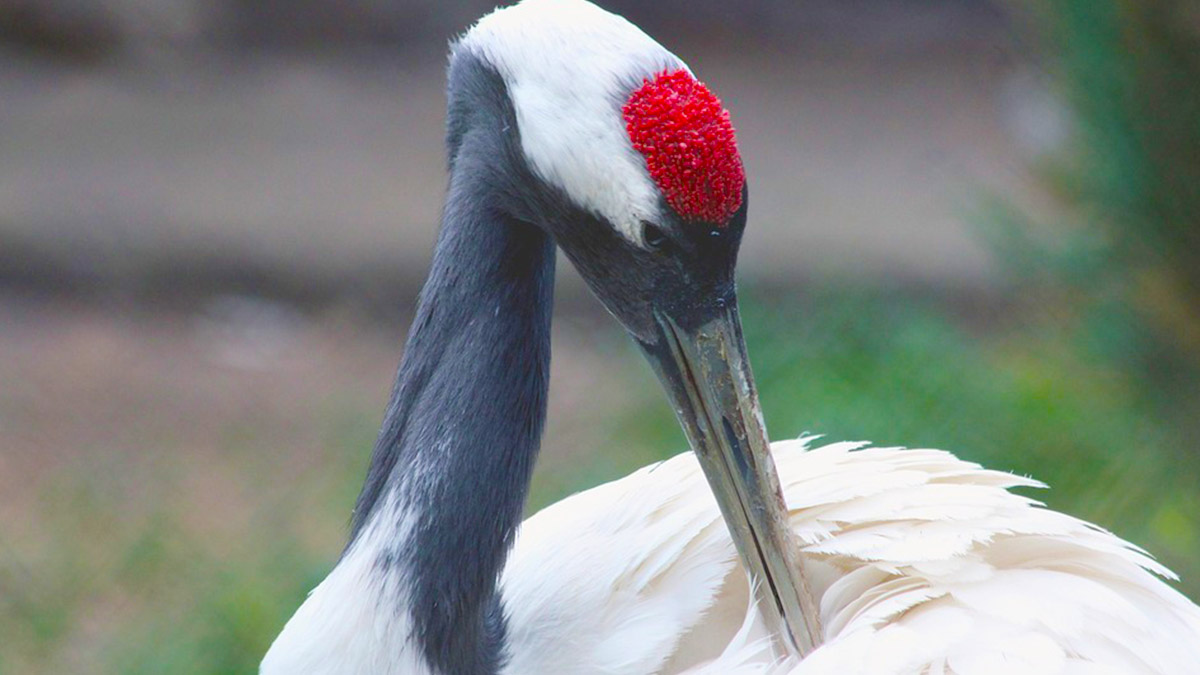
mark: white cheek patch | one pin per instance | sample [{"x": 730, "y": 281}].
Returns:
[{"x": 569, "y": 67}]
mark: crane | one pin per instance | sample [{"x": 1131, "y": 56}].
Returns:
[{"x": 570, "y": 129}]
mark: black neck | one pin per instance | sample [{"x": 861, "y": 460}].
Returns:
[{"x": 459, "y": 439}]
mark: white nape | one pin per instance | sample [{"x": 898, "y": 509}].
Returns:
[{"x": 570, "y": 66}]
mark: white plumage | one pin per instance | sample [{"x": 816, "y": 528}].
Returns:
[{"x": 922, "y": 563}]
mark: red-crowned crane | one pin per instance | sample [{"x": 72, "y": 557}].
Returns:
[{"x": 570, "y": 127}]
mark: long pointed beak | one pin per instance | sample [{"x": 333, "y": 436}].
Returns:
[{"x": 707, "y": 376}]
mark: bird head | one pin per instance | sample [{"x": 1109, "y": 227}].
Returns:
[
  {"x": 601, "y": 137},
  {"x": 629, "y": 161}
]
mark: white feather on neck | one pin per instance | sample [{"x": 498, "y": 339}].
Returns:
[{"x": 357, "y": 620}]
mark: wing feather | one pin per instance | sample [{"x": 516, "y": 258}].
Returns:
[{"x": 923, "y": 563}]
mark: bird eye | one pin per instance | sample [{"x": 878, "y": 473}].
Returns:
[{"x": 655, "y": 238}]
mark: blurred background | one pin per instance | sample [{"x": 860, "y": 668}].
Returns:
[{"x": 974, "y": 227}]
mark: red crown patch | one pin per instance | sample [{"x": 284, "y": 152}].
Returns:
[{"x": 684, "y": 133}]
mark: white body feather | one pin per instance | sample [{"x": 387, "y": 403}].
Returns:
[{"x": 923, "y": 563}]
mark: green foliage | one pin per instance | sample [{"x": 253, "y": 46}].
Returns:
[{"x": 1130, "y": 180}]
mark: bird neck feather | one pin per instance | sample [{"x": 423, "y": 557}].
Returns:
[{"x": 452, "y": 464}]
